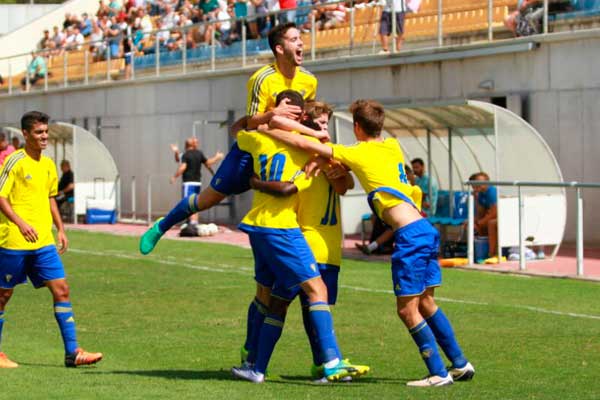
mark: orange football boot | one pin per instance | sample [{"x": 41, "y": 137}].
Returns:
[
  {"x": 82, "y": 357},
  {"x": 5, "y": 362}
]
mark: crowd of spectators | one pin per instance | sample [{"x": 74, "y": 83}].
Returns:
[{"x": 118, "y": 28}]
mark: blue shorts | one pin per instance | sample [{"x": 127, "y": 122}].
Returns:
[
  {"x": 39, "y": 265},
  {"x": 234, "y": 173},
  {"x": 282, "y": 259},
  {"x": 190, "y": 188},
  {"x": 415, "y": 264}
]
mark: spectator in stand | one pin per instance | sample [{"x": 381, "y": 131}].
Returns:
[
  {"x": 331, "y": 15},
  {"x": 385, "y": 25},
  {"x": 209, "y": 8},
  {"x": 288, "y": 13},
  {"x": 169, "y": 19},
  {"x": 16, "y": 143},
  {"x": 114, "y": 8},
  {"x": 58, "y": 38},
  {"x": 67, "y": 22},
  {"x": 36, "y": 70},
  {"x": 113, "y": 35},
  {"x": 422, "y": 180},
  {"x": 486, "y": 213},
  {"x": 97, "y": 45},
  {"x": 223, "y": 27},
  {"x": 257, "y": 25},
  {"x": 45, "y": 42},
  {"x": 85, "y": 27},
  {"x": 74, "y": 38},
  {"x": 5, "y": 148},
  {"x": 103, "y": 10}
]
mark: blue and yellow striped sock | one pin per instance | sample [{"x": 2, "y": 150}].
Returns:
[
  {"x": 423, "y": 337},
  {"x": 1, "y": 324},
  {"x": 444, "y": 334},
  {"x": 255, "y": 322},
  {"x": 270, "y": 332},
  {"x": 322, "y": 323},
  {"x": 180, "y": 212},
  {"x": 63, "y": 312}
]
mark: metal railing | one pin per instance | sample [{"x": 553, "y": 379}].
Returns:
[
  {"x": 578, "y": 186},
  {"x": 181, "y": 59}
]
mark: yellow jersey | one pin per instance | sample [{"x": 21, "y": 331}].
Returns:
[
  {"x": 320, "y": 221},
  {"x": 377, "y": 165},
  {"x": 266, "y": 83},
  {"x": 273, "y": 161},
  {"x": 28, "y": 185}
]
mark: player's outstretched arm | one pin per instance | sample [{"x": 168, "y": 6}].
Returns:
[
  {"x": 275, "y": 188},
  {"x": 278, "y": 122},
  {"x": 28, "y": 232},
  {"x": 63, "y": 242},
  {"x": 298, "y": 141}
]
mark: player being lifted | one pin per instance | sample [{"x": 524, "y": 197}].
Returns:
[
  {"x": 379, "y": 166},
  {"x": 282, "y": 257},
  {"x": 28, "y": 184}
]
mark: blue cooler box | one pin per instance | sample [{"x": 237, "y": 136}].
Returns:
[{"x": 100, "y": 212}]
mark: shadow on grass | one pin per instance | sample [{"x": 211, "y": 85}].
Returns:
[
  {"x": 176, "y": 374},
  {"x": 304, "y": 380}
]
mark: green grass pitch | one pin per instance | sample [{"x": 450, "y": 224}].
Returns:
[{"x": 170, "y": 326}]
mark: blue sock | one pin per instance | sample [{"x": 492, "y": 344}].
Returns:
[
  {"x": 63, "y": 312},
  {"x": 423, "y": 337},
  {"x": 254, "y": 325},
  {"x": 252, "y": 310},
  {"x": 322, "y": 323},
  {"x": 312, "y": 336},
  {"x": 444, "y": 334},
  {"x": 1, "y": 324},
  {"x": 270, "y": 332},
  {"x": 180, "y": 212}
]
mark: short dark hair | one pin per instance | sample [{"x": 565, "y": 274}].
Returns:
[
  {"x": 65, "y": 162},
  {"x": 295, "y": 98},
  {"x": 31, "y": 118},
  {"x": 418, "y": 161},
  {"x": 276, "y": 34},
  {"x": 369, "y": 115},
  {"x": 482, "y": 174}
]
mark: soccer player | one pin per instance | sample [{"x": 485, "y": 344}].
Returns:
[
  {"x": 28, "y": 184},
  {"x": 379, "y": 166},
  {"x": 283, "y": 258},
  {"x": 233, "y": 175}
]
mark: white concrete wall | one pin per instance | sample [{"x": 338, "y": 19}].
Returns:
[
  {"x": 560, "y": 78},
  {"x": 13, "y": 16}
]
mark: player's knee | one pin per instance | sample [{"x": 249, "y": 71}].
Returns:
[
  {"x": 60, "y": 291},
  {"x": 263, "y": 294},
  {"x": 427, "y": 307},
  {"x": 278, "y": 307}
]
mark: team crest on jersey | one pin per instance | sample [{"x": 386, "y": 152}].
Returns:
[
  {"x": 8, "y": 277},
  {"x": 313, "y": 267}
]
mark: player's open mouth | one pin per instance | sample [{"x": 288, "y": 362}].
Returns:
[{"x": 299, "y": 53}]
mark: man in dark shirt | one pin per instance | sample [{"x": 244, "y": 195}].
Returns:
[
  {"x": 66, "y": 190},
  {"x": 190, "y": 170}
]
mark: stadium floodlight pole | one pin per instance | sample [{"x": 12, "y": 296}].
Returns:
[
  {"x": 313, "y": 37},
  {"x": 65, "y": 65},
  {"x": 521, "y": 203},
  {"x": 545, "y": 21},
  {"x": 440, "y": 26},
  {"x": 471, "y": 227},
  {"x": 579, "y": 237},
  {"x": 157, "y": 54},
  {"x": 86, "y": 67},
  {"x": 244, "y": 43},
  {"x": 212, "y": 48},
  {"x": 490, "y": 20}
]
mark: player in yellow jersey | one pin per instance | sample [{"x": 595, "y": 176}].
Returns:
[
  {"x": 379, "y": 166},
  {"x": 28, "y": 185},
  {"x": 282, "y": 256}
]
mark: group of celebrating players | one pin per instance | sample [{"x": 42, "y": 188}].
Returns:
[
  {"x": 283, "y": 154},
  {"x": 294, "y": 223}
]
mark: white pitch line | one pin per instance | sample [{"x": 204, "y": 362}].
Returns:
[{"x": 226, "y": 268}]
